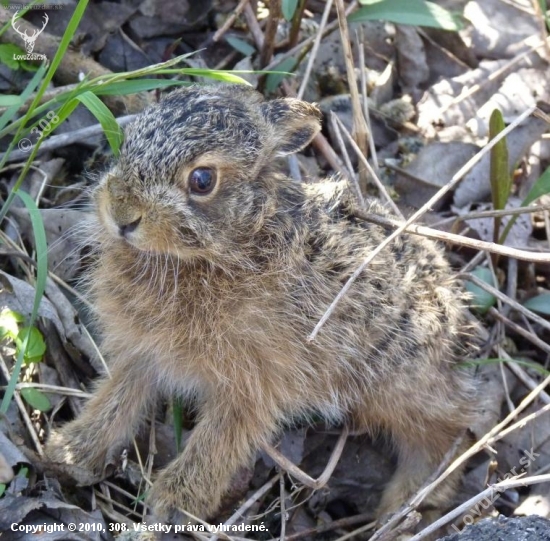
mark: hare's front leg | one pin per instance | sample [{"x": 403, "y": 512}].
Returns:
[
  {"x": 108, "y": 421},
  {"x": 224, "y": 439}
]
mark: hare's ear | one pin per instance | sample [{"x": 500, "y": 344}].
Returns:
[{"x": 295, "y": 123}]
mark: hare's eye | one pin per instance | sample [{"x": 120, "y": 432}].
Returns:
[{"x": 202, "y": 180}]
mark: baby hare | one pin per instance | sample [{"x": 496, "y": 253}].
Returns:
[{"x": 212, "y": 270}]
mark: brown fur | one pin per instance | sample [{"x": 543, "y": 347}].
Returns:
[{"x": 211, "y": 297}]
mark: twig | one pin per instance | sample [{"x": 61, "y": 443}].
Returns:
[
  {"x": 308, "y": 41},
  {"x": 499, "y": 487},
  {"x": 449, "y": 186},
  {"x": 424, "y": 231},
  {"x": 319, "y": 141},
  {"x": 520, "y": 330},
  {"x": 239, "y": 513},
  {"x": 396, "y": 518},
  {"x": 349, "y": 173},
  {"x": 230, "y": 20},
  {"x": 381, "y": 188},
  {"x": 492, "y": 77},
  {"x": 366, "y": 112},
  {"x": 22, "y": 410},
  {"x": 283, "y": 507},
  {"x": 504, "y": 298},
  {"x": 315, "y": 49},
  {"x": 63, "y": 139},
  {"x": 254, "y": 27},
  {"x": 270, "y": 32},
  {"x": 56, "y": 389},
  {"x": 334, "y": 525},
  {"x": 488, "y": 439},
  {"x": 360, "y": 129},
  {"x": 303, "y": 477}
]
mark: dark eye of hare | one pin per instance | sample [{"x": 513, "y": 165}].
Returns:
[{"x": 202, "y": 180}]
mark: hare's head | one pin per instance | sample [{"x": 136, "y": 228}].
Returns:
[{"x": 194, "y": 177}]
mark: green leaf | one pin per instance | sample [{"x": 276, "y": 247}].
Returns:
[
  {"x": 36, "y": 347},
  {"x": 41, "y": 246},
  {"x": 273, "y": 80},
  {"x": 412, "y": 12},
  {"x": 133, "y": 87},
  {"x": 527, "y": 364},
  {"x": 481, "y": 300},
  {"x": 240, "y": 45},
  {"x": 177, "y": 415},
  {"x": 217, "y": 75},
  {"x": 501, "y": 182},
  {"x": 500, "y": 178},
  {"x": 288, "y": 7},
  {"x": 7, "y": 51},
  {"x": 540, "y": 304},
  {"x": 8, "y": 100},
  {"x": 540, "y": 188},
  {"x": 108, "y": 122},
  {"x": 9, "y": 323},
  {"x": 36, "y": 399}
]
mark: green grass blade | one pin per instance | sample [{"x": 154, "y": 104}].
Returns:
[
  {"x": 133, "y": 87},
  {"x": 540, "y": 188},
  {"x": 177, "y": 416},
  {"x": 412, "y": 12},
  {"x": 8, "y": 115},
  {"x": 501, "y": 183},
  {"x": 108, "y": 122},
  {"x": 41, "y": 246},
  {"x": 527, "y": 364},
  {"x": 218, "y": 75}
]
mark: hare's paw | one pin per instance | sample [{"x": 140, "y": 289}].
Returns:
[
  {"x": 174, "y": 493},
  {"x": 77, "y": 448}
]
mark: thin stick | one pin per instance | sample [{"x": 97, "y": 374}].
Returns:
[
  {"x": 315, "y": 49},
  {"x": 493, "y": 76},
  {"x": 291, "y": 52},
  {"x": 56, "y": 389},
  {"x": 381, "y": 188},
  {"x": 63, "y": 139},
  {"x": 22, "y": 410},
  {"x": 427, "y": 206},
  {"x": 424, "y": 231},
  {"x": 283, "y": 506},
  {"x": 359, "y": 124},
  {"x": 270, "y": 32},
  {"x": 498, "y": 487},
  {"x": 520, "y": 330},
  {"x": 303, "y": 477},
  {"x": 504, "y": 298},
  {"x": 239, "y": 513},
  {"x": 366, "y": 111},
  {"x": 254, "y": 27},
  {"x": 351, "y": 177},
  {"x": 230, "y": 20}
]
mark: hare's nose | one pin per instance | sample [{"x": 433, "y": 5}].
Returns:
[{"x": 125, "y": 230}]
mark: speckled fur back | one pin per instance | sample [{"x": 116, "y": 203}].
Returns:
[{"x": 211, "y": 295}]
